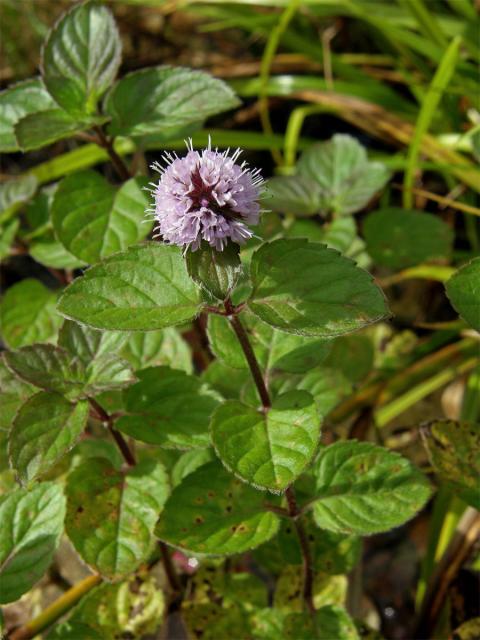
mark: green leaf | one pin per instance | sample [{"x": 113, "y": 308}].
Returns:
[
  {"x": 16, "y": 102},
  {"x": 306, "y": 288},
  {"x": 15, "y": 192},
  {"x": 45, "y": 428},
  {"x": 48, "y": 251},
  {"x": 364, "y": 489},
  {"x": 399, "y": 238},
  {"x": 111, "y": 515},
  {"x": 167, "y": 407},
  {"x": 38, "y": 130},
  {"x": 267, "y": 449},
  {"x": 346, "y": 178},
  {"x": 88, "y": 344},
  {"x": 327, "y": 385},
  {"x": 227, "y": 381},
  {"x": 160, "y": 99},
  {"x": 28, "y": 314},
  {"x": 275, "y": 350},
  {"x": 212, "y": 512},
  {"x": 144, "y": 288},
  {"x": 332, "y": 553},
  {"x": 215, "y": 271},
  {"x": 353, "y": 356},
  {"x": 157, "y": 348},
  {"x": 189, "y": 462},
  {"x": 32, "y": 522},
  {"x": 463, "y": 291},
  {"x": 70, "y": 373},
  {"x": 81, "y": 57},
  {"x": 48, "y": 367},
  {"x": 13, "y": 393},
  {"x": 7, "y": 237},
  {"x": 329, "y": 622},
  {"x": 298, "y": 195},
  {"x": 93, "y": 220},
  {"x": 327, "y": 589},
  {"x": 454, "y": 450}
]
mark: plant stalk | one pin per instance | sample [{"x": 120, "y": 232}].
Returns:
[
  {"x": 293, "y": 510},
  {"x": 102, "y": 415},
  {"x": 107, "y": 144},
  {"x": 250, "y": 356},
  {"x": 51, "y": 614},
  {"x": 305, "y": 548}
]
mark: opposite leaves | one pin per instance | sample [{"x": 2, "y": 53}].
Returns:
[
  {"x": 364, "y": 489},
  {"x": 305, "y": 287},
  {"x": 144, "y": 288}
]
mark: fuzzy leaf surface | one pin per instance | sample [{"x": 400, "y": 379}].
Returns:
[
  {"x": 347, "y": 179},
  {"x": 306, "y": 288},
  {"x": 169, "y": 408},
  {"x": 17, "y": 102},
  {"x": 111, "y": 515},
  {"x": 144, "y": 288},
  {"x": 163, "y": 99},
  {"x": 28, "y": 314},
  {"x": 363, "y": 489},
  {"x": 213, "y": 513},
  {"x": 81, "y": 57},
  {"x": 32, "y": 522},
  {"x": 44, "y": 430},
  {"x": 93, "y": 220},
  {"x": 268, "y": 450}
]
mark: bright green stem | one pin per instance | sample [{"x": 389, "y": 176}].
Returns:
[
  {"x": 429, "y": 106},
  {"x": 447, "y": 511},
  {"x": 390, "y": 411},
  {"x": 294, "y": 128},
  {"x": 57, "y": 609},
  {"x": 265, "y": 66}
]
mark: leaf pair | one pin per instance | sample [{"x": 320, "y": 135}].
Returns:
[
  {"x": 147, "y": 287},
  {"x": 359, "y": 488}
]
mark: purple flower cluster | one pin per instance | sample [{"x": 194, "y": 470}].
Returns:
[{"x": 205, "y": 196}]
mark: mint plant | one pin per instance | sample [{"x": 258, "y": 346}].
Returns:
[{"x": 204, "y": 476}]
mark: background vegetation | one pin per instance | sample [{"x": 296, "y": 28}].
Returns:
[{"x": 400, "y": 78}]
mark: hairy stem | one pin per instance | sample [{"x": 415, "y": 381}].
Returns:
[
  {"x": 244, "y": 341},
  {"x": 51, "y": 614},
  {"x": 106, "y": 143},
  {"x": 305, "y": 548},
  {"x": 102, "y": 415},
  {"x": 293, "y": 510}
]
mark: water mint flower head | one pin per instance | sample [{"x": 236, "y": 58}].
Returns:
[{"x": 205, "y": 196}]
